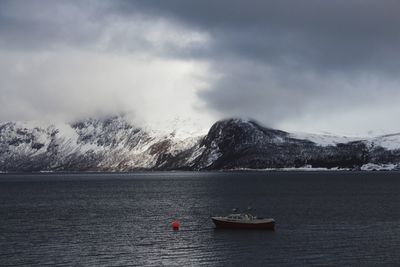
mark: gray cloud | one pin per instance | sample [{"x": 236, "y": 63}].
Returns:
[
  {"x": 64, "y": 60},
  {"x": 328, "y": 34},
  {"x": 42, "y": 25},
  {"x": 287, "y": 61},
  {"x": 293, "y": 64}
]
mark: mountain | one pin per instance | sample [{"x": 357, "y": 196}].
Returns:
[{"x": 113, "y": 144}]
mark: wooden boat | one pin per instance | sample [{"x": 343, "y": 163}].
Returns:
[{"x": 243, "y": 221}]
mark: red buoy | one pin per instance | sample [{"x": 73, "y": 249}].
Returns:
[{"x": 175, "y": 225}]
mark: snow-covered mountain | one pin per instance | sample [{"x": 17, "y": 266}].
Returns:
[
  {"x": 113, "y": 144},
  {"x": 99, "y": 145}
]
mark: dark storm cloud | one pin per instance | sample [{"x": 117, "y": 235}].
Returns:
[
  {"x": 320, "y": 34},
  {"x": 327, "y": 34},
  {"x": 278, "y": 60},
  {"x": 275, "y": 61}
]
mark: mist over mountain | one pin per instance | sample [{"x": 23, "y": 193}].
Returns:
[{"x": 114, "y": 144}]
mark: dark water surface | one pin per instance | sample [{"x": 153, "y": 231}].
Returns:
[{"x": 323, "y": 219}]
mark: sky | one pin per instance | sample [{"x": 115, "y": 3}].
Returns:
[{"x": 307, "y": 66}]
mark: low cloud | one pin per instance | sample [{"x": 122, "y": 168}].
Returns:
[
  {"x": 65, "y": 61},
  {"x": 300, "y": 65}
]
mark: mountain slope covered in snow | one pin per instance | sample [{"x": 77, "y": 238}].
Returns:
[
  {"x": 92, "y": 145},
  {"x": 113, "y": 144}
]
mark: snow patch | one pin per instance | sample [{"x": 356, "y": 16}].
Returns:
[
  {"x": 380, "y": 167},
  {"x": 292, "y": 169},
  {"x": 390, "y": 142},
  {"x": 324, "y": 139},
  {"x": 213, "y": 155}
]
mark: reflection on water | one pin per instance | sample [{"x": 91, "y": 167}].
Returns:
[{"x": 124, "y": 219}]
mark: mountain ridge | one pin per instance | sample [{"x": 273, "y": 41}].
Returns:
[{"x": 113, "y": 144}]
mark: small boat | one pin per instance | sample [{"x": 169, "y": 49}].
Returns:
[{"x": 243, "y": 221}]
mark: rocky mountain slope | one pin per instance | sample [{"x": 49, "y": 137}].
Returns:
[{"x": 113, "y": 144}]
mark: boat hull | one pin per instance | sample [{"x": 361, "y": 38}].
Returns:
[{"x": 267, "y": 225}]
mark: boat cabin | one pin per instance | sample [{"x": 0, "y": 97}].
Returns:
[{"x": 240, "y": 217}]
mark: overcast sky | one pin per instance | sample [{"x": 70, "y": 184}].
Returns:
[{"x": 313, "y": 65}]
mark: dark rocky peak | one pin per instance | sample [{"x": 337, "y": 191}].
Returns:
[{"x": 240, "y": 131}]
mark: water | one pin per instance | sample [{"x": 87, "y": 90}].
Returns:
[{"x": 323, "y": 219}]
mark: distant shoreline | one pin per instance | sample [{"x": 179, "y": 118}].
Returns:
[{"x": 300, "y": 170}]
